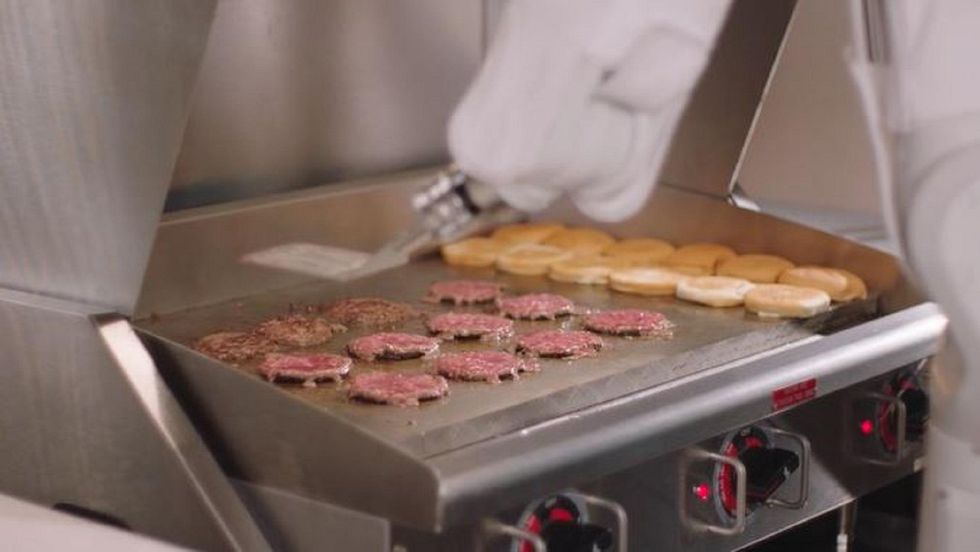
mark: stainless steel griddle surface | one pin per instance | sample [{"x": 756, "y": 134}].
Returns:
[{"x": 703, "y": 338}]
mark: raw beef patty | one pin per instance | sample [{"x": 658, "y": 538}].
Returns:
[
  {"x": 535, "y": 306},
  {"x": 464, "y": 292},
  {"x": 488, "y": 366},
  {"x": 568, "y": 344},
  {"x": 395, "y": 388},
  {"x": 462, "y": 325},
  {"x": 308, "y": 368},
  {"x": 392, "y": 346},
  {"x": 635, "y": 322}
]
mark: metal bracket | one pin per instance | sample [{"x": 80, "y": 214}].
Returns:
[
  {"x": 876, "y": 31},
  {"x": 739, "y": 198},
  {"x": 491, "y": 528},
  {"x": 741, "y": 482},
  {"x": 612, "y": 507},
  {"x": 901, "y": 424},
  {"x": 805, "y": 454}
]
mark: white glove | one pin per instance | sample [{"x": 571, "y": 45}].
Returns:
[{"x": 582, "y": 97}]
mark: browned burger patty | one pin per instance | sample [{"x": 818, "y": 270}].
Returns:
[
  {"x": 299, "y": 330},
  {"x": 635, "y": 322},
  {"x": 235, "y": 346},
  {"x": 464, "y": 292},
  {"x": 369, "y": 312},
  {"x": 488, "y": 366},
  {"x": 308, "y": 368},
  {"x": 392, "y": 346},
  {"x": 396, "y": 388},
  {"x": 452, "y": 325},
  {"x": 567, "y": 344}
]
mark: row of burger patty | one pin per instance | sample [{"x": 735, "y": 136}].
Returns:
[{"x": 275, "y": 341}]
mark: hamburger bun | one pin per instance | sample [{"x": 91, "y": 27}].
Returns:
[
  {"x": 474, "y": 252},
  {"x": 531, "y": 259},
  {"x": 714, "y": 291},
  {"x": 640, "y": 250},
  {"x": 761, "y": 269},
  {"x": 646, "y": 280},
  {"x": 841, "y": 285},
  {"x": 856, "y": 288},
  {"x": 704, "y": 255},
  {"x": 785, "y": 301},
  {"x": 528, "y": 232},
  {"x": 581, "y": 241},
  {"x": 594, "y": 269},
  {"x": 687, "y": 270}
]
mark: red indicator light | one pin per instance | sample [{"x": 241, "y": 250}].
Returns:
[
  {"x": 867, "y": 427},
  {"x": 702, "y": 491}
]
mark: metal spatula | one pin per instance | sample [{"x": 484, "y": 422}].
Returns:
[{"x": 454, "y": 206}]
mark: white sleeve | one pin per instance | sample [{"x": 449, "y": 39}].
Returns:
[{"x": 923, "y": 107}]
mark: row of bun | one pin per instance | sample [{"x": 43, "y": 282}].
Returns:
[{"x": 705, "y": 273}]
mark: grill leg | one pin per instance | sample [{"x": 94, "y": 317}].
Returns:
[{"x": 845, "y": 526}]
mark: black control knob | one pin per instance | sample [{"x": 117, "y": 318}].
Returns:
[
  {"x": 916, "y": 412},
  {"x": 766, "y": 469},
  {"x": 569, "y": 536},
  {"x": 908, "y": 389},
  {"x": 560, "y": 522}
]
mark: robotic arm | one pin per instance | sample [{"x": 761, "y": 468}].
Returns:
[
  {"x": 922, "y": 96},
  {"x": 581, "y": 97}
]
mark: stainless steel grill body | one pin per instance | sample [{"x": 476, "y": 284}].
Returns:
[{"x": 487, "y": 448}]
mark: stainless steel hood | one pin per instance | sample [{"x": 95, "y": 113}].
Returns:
[
  {"x": 715, "y": 129},
  {"x": 93, "y": 101}
]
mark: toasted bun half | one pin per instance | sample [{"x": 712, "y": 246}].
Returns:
[
  {"x": 531, "y": 259},
  {"x": 785, "y": 301},
  {"x": 529, "y": 232},
  {"x": 762, "y": 269},
  {"x": 704, "y": 255},
  {"x": 581, "y": 241},
  {"x": 827, "y": 279},
  {"x": 714, "y": 291},
  {"x": 640, "y": 250},
  {"x": 646, "y": 281},
  {"x": 593, "y": 269},
  {"x": 687, "y": 270},
  {"x": 856, "y": 288},
  {"x": 840, "y": 284},
  {"x": 477, "y": 252}
]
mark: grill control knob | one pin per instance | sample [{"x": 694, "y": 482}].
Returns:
[
  {"x": 561, "y": 523},
  {"x": 906, "y": 388},
  {"x": 917, "y": 406},
  {"x": 767, "y": 469},
  {"x": 565, "y": 536}
]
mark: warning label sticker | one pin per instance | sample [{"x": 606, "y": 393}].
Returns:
[{"x": 791, "y": 395}]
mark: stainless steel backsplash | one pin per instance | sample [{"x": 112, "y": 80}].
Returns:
[{"x": 294, "y": 93}]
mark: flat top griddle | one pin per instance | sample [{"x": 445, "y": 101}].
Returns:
[{"x": 704, "y": 337}]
